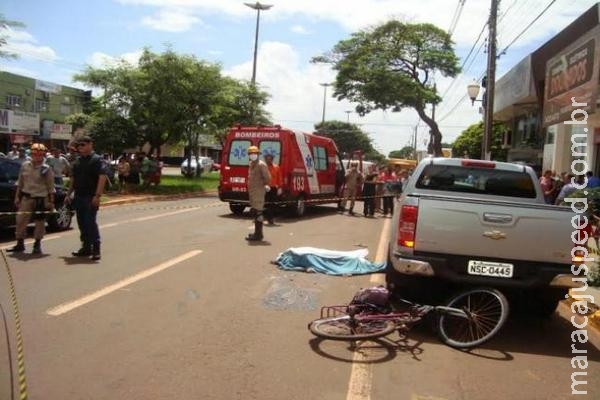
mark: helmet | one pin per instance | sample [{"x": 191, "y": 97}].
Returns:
[
  {"x": 253, "y": 149},
  {"x": 38, "y": 147}
]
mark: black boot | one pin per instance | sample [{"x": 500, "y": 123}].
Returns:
[
  {"x": 84, "y": 251},
  {"x": 18, "y": 248},
  {"x": 37, "y": 247},
  {"x": 258, "y": 232},
  {"x": 96, "y": 251}
]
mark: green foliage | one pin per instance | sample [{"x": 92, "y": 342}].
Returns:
[
  {"x": 390, "y": 67},
  {"x": 168, "y": 98},
  {"x": 407, "y": 152},
  {"x": 470, "y": 140},
  {"x": 348, "y": 138}
]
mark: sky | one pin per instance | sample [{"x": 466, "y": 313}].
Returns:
[{"x": 62, "y": 37}]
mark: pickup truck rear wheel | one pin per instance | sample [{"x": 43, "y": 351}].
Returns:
[{"x": 544, "y": 302}]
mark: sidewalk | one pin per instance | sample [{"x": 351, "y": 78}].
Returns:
[{"x": 114, "y": 199}]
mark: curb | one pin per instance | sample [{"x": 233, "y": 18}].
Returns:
[{"x": 593, "y": 321}]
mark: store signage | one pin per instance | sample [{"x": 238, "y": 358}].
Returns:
[{"x": 573, "y": 72}]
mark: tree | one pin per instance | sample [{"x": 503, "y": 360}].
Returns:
[
  {"x": 170, "y": 98},
  {"x": 391, "y": 67},
  {"x": 348, "y": 138},
  {"x": 6, "y": 25},
  {"x": 469, "y": 142},
  {"x": 407, "y": 152}
]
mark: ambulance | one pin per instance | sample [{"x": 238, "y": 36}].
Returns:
[{"x": 311, "y": 168}]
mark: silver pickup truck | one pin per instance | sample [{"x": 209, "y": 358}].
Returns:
[{"x": 472, "y": 222}]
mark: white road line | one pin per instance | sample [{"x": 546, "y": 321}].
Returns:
[
  {"x": 361, "y": 376},
  {"x": 140, "y": 219},
  {"x": 66, "y": 307}
]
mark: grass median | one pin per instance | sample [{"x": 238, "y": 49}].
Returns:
[{"x": 169, "y": 185}]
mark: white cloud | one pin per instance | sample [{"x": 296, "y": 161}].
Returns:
[
  {"x": 25, "y": 46},
  {"x": 171, "y": 21},
  {"x": 300, "y": 30},
  {"x": 103, "y": 60}
]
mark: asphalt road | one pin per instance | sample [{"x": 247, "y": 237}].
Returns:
[{"x": 181, "y": 307}]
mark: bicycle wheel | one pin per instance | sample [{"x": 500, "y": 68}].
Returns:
[
  {"x": 487, "y": 310},
  {"x": 343, "y": 328}
]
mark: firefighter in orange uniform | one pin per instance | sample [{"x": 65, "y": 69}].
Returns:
[{"x": 273, "y": 195}]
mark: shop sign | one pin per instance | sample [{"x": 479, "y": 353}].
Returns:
[
  {"x": 24, "y": 121},
  {"x": 4, "y": 118},
  {"x": 572, "y": 73},
  {"x": 48, "y": 87}
]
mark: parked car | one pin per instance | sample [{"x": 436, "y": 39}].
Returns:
[
  {"x": 9, "y": 173},
  {"x": 190, "y": 168}
]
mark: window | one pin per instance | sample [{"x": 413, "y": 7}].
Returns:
[
  {"x": 13, "y": 100},
  {"x": 477, "y": 180},
  {"x": 272, "y": 147},
  {"x": 320, "y": 157},
  {"x": 41, "y": 105},
  {"x": 238, "y": 153},
  {"x": 65, "y": 109}
]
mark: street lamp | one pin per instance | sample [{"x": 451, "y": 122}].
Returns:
[
  {"x": 473, "y": 92},
  {"x": 258, "y": 7},
  {"x": 324, "y": 98}
]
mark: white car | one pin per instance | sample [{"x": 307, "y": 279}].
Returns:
[{"x": 190, "y": 168}]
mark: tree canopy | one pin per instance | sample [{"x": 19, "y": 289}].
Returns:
[
  {"x": 468, "y": 143},
  {"x": 168, "y": 98},
  {"x": 348, "y": 138},
  {"x": 406, "y": 152},
  {"x": 391, "y": 67}
]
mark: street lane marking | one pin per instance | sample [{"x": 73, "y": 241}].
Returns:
[
  {"x": 361, "y": 375},
  {"x": 66, "y": 307},
  {"x": 141, "y": 219}
]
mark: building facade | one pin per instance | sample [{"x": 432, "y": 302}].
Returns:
[
  {"x": 541, "y": 95},
  {"x": 35, "y": 110}
]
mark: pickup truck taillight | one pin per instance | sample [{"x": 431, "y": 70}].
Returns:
[{"x": 407, "y": 226}]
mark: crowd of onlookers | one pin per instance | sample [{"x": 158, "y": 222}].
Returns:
[
  {"x": 380, "y": 184},
  {"x": 128, "y": 172},
  {"x": 557, "y": 187}
]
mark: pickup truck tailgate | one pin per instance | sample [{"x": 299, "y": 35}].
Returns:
[{"x": 505, "y": 230}]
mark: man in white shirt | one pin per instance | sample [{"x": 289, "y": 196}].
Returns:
[{"x": 60, "y": 165}]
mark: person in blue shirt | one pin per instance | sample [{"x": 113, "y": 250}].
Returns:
[{"x": 593, "y": 181}]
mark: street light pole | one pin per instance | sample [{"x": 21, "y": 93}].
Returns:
[
  {"x": 258, "y": 7},
  {"x": 324, "y": 99},
  {"x": 490, "y": 84},
  {"x": 348, "y": 112}
]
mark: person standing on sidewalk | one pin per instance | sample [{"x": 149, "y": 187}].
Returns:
[
  {"x": 272, "y": 196},
  {"x": 354, "y": 180},
  {"x": 258, "y": 185},
  {"x": 88, "y": 180},
  {"x": 60, "y": 165},
  {"x": 34, "y": 196}
]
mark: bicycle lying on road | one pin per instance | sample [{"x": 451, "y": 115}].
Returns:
[{"x": 468, "y": 319}]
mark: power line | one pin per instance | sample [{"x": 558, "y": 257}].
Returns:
[{"x": 526, "y": 28}]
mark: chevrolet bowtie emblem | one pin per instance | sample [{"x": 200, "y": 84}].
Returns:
[{"x": 496, "y": 235}]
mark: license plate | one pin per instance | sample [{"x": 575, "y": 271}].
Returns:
[
  {"x": 238, "y": 179},
  {"x": 488, "y": 268}
]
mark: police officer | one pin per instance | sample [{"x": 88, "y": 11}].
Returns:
[{"x": 258, "y": 184}]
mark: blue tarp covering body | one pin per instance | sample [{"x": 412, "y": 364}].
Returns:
[{"x": 331, "y": 262}]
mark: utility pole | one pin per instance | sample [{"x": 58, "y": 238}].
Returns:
[
  {"x": 490, "y": 84},
  {"x": 324, "y": 99}
]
